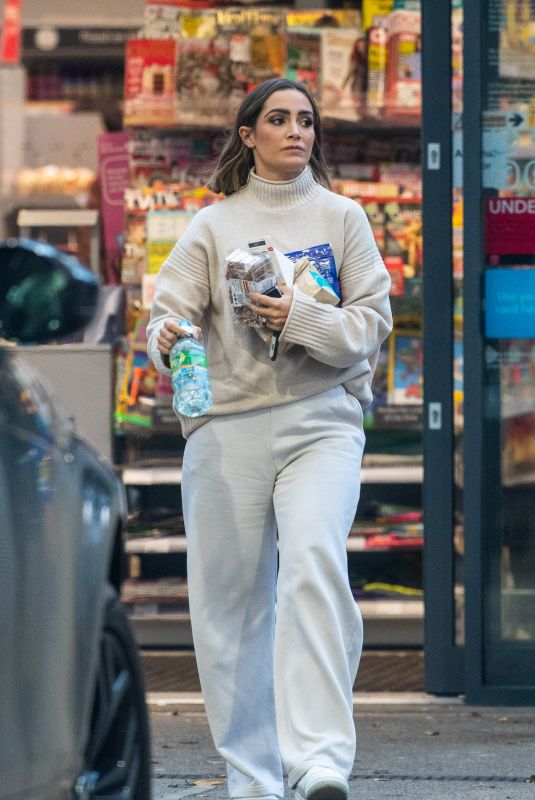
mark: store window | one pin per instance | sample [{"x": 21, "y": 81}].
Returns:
[
  {"x": 363, "y": 64},
  {"x": 179, "y": 74},
  {"x": 508, "y": 146}
]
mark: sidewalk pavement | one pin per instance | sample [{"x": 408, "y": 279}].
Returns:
[{"x": 410, "y": 746}]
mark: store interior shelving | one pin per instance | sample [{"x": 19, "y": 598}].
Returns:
[
  {"x": 386, "y": 577},
  {"x": 87, "y": 73},
  {"x": 156, "y": 591},
  {"x": 83, "y": 64}
]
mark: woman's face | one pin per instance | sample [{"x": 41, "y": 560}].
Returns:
[{"x": 283, "y": 136}]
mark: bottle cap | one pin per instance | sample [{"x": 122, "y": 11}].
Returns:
[{"x": 185, "y": 323}]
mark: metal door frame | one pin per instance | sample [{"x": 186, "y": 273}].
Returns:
[
  {"x": 478, "y": 477},
  {"x": 443, "y": 658}
]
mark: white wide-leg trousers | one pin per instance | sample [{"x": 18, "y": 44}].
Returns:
[{"x": 277, "y": 686}]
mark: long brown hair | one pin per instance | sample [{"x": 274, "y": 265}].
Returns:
[{"x": 236, "y": 160}]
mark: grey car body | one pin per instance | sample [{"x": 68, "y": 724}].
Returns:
[{"x": 62, "y": 511}]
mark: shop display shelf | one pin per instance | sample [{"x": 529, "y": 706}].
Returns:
[
  {"x": 157, "y": 475},
  {"x": 386, "y": 124},
  {"x": 172, "y": 629},
  {"x": 160, "y": 550},
  {"x": 151, "y": 544},
  {"x": 388, "y": 622},
  {"x": 394, "y": 474},
  {"x": 357, "y": 544},
  {"x": 400, "y": 123},
  {"x": 177, "y": 544},
  {"x": 152, "y": 476}
]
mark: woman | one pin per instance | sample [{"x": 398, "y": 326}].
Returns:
[{"x": 277, "y": 459}]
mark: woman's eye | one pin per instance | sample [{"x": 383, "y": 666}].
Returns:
[{"x": 305, "y": 122}]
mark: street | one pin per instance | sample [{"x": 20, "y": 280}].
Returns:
[{"x": 410, "y": 746}]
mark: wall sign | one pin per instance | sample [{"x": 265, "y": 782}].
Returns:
[
  {"x": 510, "y": 226},
  {"x": 68, "y": 42},
  {"x": 510, "y": 303}
]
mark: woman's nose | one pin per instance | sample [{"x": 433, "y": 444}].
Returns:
[{"x": 294, "y": 128}]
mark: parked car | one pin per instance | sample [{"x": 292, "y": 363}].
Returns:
[{"x": 73, "y": 720}]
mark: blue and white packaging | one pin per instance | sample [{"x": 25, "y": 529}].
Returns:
[{"x": 322, "y": 260}]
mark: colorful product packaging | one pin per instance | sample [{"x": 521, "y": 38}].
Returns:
[
  {"x": 343, "y": 72},
  {"x": 149, "y": 88},
  {"x": 312, "y": 283},
  {"x": 404, "y": 64},
  {"x": 164, "y": 228},
  {"x": 321, "y": 258},
  {"x": 323, "y": 18},
  {"x": 303, "y": 59},
  {"x": 248, "y": 272},
  {"x": 394, "y": 265},
  {"x": 114, "y": 176},
  {"x": 403, "y": 235},
  {"x": 374, "y": 8},
  {"x": 376, "y": 70}
]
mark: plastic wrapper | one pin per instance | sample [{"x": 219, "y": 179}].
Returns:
[
  {"x": 321, "y": 259},
  {"x": 248, "y": 272}
]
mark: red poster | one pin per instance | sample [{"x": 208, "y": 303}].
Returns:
[
  {"x": 510, "y": 226},
  {"x": 114, "y": 175},
  {"x": 149, "y": 88},
  {"x": 10, "y": 32}
]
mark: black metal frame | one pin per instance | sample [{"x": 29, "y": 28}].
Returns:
[
  {"x": 473, "y": 347},
  {"x": 443, "y": 658}
]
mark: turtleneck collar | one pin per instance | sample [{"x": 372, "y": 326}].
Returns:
[{"x": 281, "y": 195}]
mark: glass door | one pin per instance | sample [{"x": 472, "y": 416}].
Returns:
[{"x": 499, "y": 350}]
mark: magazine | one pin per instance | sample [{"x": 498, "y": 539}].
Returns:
[
  {"x": 164, "y": 228},
  {"x": 343, "y": 70},
  {"x": 303, "y": 60},
  {"x": 149, "y": 84}
]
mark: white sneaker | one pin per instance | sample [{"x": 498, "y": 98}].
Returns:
[{"x": 322, "y": 783}]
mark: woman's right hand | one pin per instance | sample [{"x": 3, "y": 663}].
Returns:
[{"x": 171, "y": 331}]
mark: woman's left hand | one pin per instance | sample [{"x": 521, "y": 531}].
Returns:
[{"x": 274, "y": 309}]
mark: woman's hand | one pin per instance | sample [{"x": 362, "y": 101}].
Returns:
[
  {"x": 170, "y": 332},
  {"x": 274, "y": 309}
]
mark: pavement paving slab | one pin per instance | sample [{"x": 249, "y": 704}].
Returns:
[{"x": 410, "y": 746}]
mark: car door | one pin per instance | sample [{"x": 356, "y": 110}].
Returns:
[
  {"x": 13, "y": 746},
  {"x": 38, "y": 744}
]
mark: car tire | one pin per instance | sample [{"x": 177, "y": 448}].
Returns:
[{"x": 117, "y": 758}]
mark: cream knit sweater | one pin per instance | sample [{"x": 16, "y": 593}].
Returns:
[{"x": 336, "y": 345}]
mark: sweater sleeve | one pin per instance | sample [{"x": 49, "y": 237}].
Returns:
[
  {"x": 182, "y": 288},
  {"x": 342, "y": 336}
]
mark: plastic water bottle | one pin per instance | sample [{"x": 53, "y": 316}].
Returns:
[{"x": 192, "y": 392}]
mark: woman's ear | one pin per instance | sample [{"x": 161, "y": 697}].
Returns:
[{"x": 246, "y": 136}]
